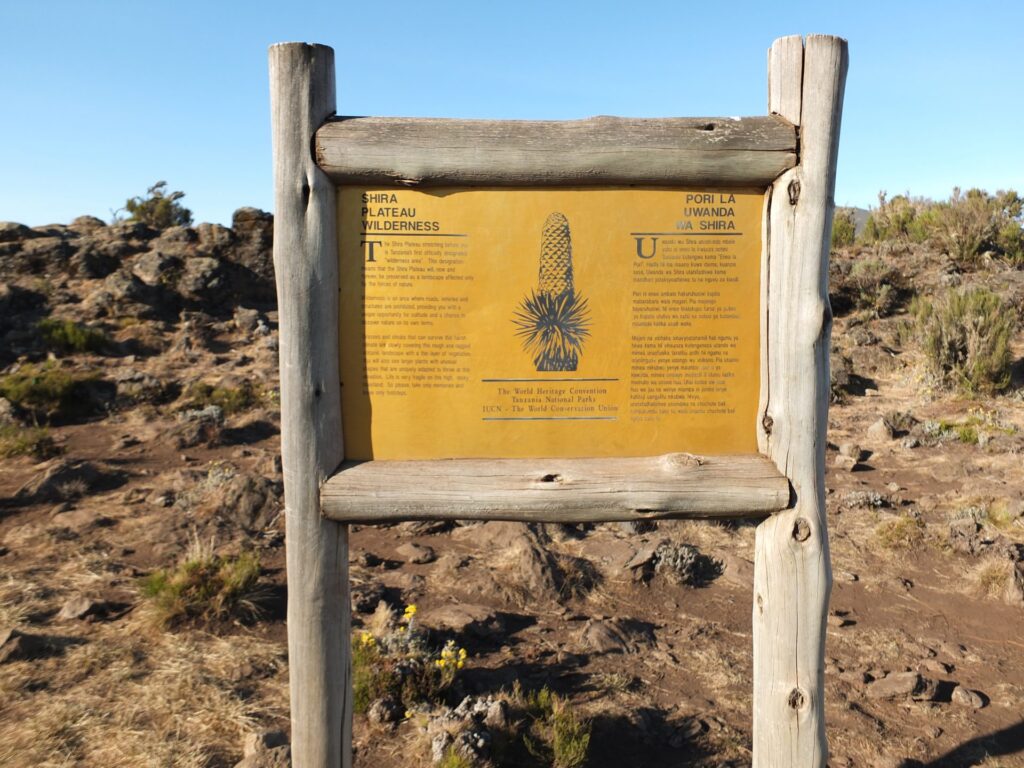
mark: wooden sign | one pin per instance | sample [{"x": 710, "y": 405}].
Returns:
[
  {"x": 558, "y": 321},
  {"x": 485, "y": 323}
]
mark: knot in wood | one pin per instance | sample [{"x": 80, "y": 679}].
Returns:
[
  {"x": 767, "y": 422},
  {"x": 673, "y": 461},
  {"x": 796, "y": 699},
  {"x": 801, "y": 529},
  {"x": 794, "y": 191}
]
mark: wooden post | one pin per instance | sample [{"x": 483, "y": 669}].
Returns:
[
  {"x": 306, "y": 262},
  {"x": 792, "y": 571}
]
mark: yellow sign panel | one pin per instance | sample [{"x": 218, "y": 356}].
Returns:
[{"x": 515, "y": 323}]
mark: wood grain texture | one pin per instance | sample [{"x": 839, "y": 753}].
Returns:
[
  {"x": 707, "y": 152},
  {"x": 792, "y": 570},
  {"x": 306, "y": 265},
  {"x": 556, "y": 490}
]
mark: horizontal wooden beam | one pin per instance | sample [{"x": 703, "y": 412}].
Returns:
[
  {"x": 702, "y": 152},
  {"x": 556, "y": 490}
]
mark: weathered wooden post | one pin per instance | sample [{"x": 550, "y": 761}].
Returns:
[
  {"x": 792, "y": 568},
  {"x": 425, "y": 455},
  {"x": 306, "y": 264}
]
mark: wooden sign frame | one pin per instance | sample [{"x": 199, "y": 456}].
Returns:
[{"x": 791, "y": 154}]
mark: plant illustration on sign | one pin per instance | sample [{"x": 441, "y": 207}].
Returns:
[{"x": 553, "y": 321}]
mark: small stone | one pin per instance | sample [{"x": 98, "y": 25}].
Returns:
[
  {"x": 936, "y": 667},
  {"x": 385, "y": 711},
  {"x": 850, "y": 451},
  {"x": 900, "y": 685},
  {"x": 615, "y": 636},
  {"x": 416, "y": 553},
  {"x": 910, "y": 442},
  {"x": 497, "y": 715},
  {"x": 369, "y": 560},
  {"x": 79, "y": 608},
  {"x": 965, "y": 697},
  {"x": 847, "y": 576},
  {"x": 465, "y": 618},
  {"x": 262, "y": 741},
  {"x": 880, "y": 431},
  {"x": 246, "y": 319},
  {"x": 836, "y": 620},
  {"x": 844, "y": 462}
]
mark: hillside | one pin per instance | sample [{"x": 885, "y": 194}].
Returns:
[{"x": 139, "y": 430}]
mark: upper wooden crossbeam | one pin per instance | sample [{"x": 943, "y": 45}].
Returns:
[{"x": 706, "y": 152}]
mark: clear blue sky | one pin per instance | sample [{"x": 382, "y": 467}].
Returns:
[{"x": 98, "y": 100}]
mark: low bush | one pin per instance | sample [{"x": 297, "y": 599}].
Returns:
[
  {"x": 899, "y": 219},
  {"x": 205, "y": 588},
  {"x": 16, "y": 440},
  {"x": 965, "y": 336},
  {"x": 244, "y": 397},
  {"x": 555, "y": 734},
  {"x": 394, "y": 661},
  {"x": 868, "y": 284},
  {"x": 159, "y": 208},
  {"x": 976, "y": 222},
  {"x": 66, "y": 336},
  {"x": 844, "y": 228},
  {"x": 46, "y": 390}
]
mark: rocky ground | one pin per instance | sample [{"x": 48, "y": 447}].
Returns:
[{"x": 645, "y": 628}]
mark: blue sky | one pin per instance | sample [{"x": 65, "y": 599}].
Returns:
[{"x": 98, "y": 100}]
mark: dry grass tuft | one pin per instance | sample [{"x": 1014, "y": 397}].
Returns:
[
  {"x": 992, "y": 577},
  {"x": 131, "y": 697},
  {"x": 205, "y": 588},
  {"x": 901, "y": 533}
]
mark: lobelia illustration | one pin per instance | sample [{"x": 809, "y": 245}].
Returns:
[{"x": 553, "y": 320}]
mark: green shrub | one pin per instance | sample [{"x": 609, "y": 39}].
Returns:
[
  {"x": 16, "y": 440},
  {"x": 843, "y": 228},
  {"x": 874, "y": 285},
  {"x": 68, "y": 336},
  {"x": 975, "y": 222},
  {"x": 395, "y": 662},
  {"x": 555, "y": 735},
  {"x": 965, "y": 337},
  {"x": 453, "y": 759},
  {"x": 898, "y": 219},
  {"x": 230, "y": 399},
  {"x": 45, "y": 389},
  {"x": 205, "y": 588},
  {"x": 159, "y": 209}
]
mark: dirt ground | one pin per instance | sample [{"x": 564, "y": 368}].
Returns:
[{"x": 662, "y": 668}]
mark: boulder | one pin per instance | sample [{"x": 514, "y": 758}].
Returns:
[
  {"x": 203, "y": 281},
  {"x": 62, "y": 479},
  {"x": 214, "y": 239},
  {"x": 967, "y": 698},
  {"x": 903, "y": 685},
  {"x": 880, "y": 432},
  {"x": 385, "y": 711},
  {"x": 416, "y": 554},
  {"x": 198, "y": 426},
  {"x": 464, "y": 619},
  {"x": 156, "y": 267},
  {"x": 87, "y": 224},
  {"x": 12, "y": 231},
  {"x": 616, "y": 636}
]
